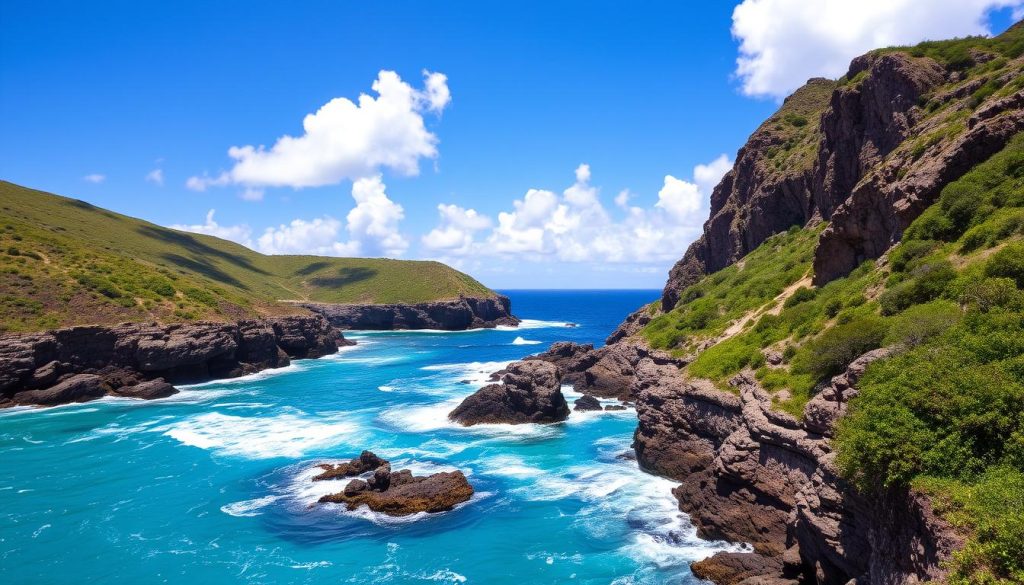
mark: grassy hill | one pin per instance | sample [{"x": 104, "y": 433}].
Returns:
[{"x": 65, "y": 262}]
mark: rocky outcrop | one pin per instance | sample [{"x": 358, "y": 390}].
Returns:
[
  {"x": 606, "y": 372},
  {"x": 870, "y": 159},
  {"x": 529, "y": 392},
  {"x": 751, "y": 474},
  {"x": 452, "y": 315},
  {"x": 143, "y": 360},
  {"x": 585, "y": 403},
  {"x": 398, "y": 493}
]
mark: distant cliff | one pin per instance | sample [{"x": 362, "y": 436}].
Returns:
[
  {"x": 450, "y": 315},
  {"x": 79, "y": 364}
]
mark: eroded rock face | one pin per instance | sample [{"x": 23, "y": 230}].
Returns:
[
  {"x": 530, "y": 392},
  {"x": 864, "y": 178},
  {"x": 454, "y": 315},
  {"x": 751, "y": 474},
  {"x": 398, "y": 493},
  {"x": 143, "y": 360}
]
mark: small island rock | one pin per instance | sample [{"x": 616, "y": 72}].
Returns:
[{"x": 529, "y": 392}]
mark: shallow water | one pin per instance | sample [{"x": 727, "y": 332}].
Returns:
[{"x": 213, "y": 485}]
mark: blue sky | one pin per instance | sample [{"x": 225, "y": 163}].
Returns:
[{"x": 121, "y": 103}]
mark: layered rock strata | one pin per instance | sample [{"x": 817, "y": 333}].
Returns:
[
  {"x": 452, "y": 315},
  {"x": 78, "y": 364}
]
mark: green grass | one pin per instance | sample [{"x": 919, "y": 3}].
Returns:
[{"x": 64, "y": 262}]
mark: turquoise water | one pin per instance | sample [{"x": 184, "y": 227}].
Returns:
[{"x": 212, "y": 485}]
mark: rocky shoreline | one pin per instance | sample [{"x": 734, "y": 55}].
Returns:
[
  {"x": 78, "y": 364},
  {"x": 749, "y": 473},
  {"x": 450, "y": 315}
]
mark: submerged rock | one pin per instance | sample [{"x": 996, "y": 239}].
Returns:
[
  {"x": 529, "y": 392},
  {"x": 398, "y": 493}
]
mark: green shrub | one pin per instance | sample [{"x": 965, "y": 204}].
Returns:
[
  {"x": 921, "y": 323},
  {"x": 1008, "y": 263},
  {"x": 830, "y": 353},
  {"x": 726, "y": 359},
  {"x": 800, "y": 295},
  {"x": 989, "y": 293},
  {"x": 927, "y": 281}
]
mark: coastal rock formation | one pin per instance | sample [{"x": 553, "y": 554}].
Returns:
[
  {"x": 397, "y": 493},
  {"x": 143, "y": 360},
  {"x": 367, "y": 461},
  {"x": 586, "y": 403},
  {"x": 529, "y": 392},
  {"x": 845, "y": 153},
  {"x": 751, "y": 474},
  {"x": 453, "y": 315},
  {"x": 606, "y": 372}
]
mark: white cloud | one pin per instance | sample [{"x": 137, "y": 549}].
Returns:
[
  {"x": 708, "y": 175},
  {"x": 345, "y": 140},
  {"x": 251, "y": 194},
  {"x": 370, "y": 228},
  {"x": 680, "y": 199},
  {"x": 237, "y": 233},
  {"x": 576, "y": 227},
  {"x": 622, "y": 199},
  {"x": 785, "y": 42},
  {"x": 456, "y": 230},
  {"x": 373, "y": 223},
  {"x": 317, "y": 236},
  {"x": 94, "y": 178},
  {"x": 156, "y": 176}
]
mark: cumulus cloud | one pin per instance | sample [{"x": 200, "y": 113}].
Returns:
[
  {"x": 94, "y": 178},
  {"x": 156, "y": 176},
  {"x": 457, "y": 228},
  {"x": 371, "y": 228},
  {"x": 785, "y": 42},
  {"x": 236, "y": 233},
  {"x": 345, "y": 140},
  {"x": 708, "y": 175},
  {"x": 574, "y": 226},
  {"x": 680, "y": 199}
]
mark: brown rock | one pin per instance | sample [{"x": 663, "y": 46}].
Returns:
[
  {"x": 366, "y": 462},
  {"x": 407, "y": 494},
  {"x": 530, "y": 392},
  {"x": 77, "y": 388},
  {"x": 587, "y": 403},
  {"x": 147, "y": 390}
]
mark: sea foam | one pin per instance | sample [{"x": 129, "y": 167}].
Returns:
[{"x": 284, "y": 435}]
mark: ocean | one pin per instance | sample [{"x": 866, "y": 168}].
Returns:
[{"x": 213, "y": 485}]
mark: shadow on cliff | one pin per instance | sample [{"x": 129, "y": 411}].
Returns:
[{"x": 344, "y": 277}]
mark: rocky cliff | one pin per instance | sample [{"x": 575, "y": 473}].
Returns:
[
  {"x": 452, "y": 315},
  {"x": 867, "y": 154},
  {"x": 78, "y": 364}
]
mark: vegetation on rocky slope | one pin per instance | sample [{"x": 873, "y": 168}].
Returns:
[
  {"x": 946, "y": 412},
  {"x": 66, "y": 262}
]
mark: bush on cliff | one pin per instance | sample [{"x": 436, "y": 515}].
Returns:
[{"x": 829, "y": 353}]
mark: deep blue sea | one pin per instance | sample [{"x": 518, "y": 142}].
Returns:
[{"x": 213, "y": 485}]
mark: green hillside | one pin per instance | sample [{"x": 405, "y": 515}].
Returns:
[
  {"x": 65, "y": 262},
  {"x": 945, "y": 414}
]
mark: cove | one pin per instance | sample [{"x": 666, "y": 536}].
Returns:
[{"x": 213, "y": 485}]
